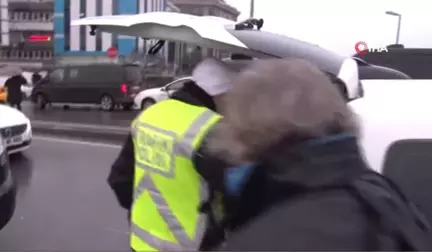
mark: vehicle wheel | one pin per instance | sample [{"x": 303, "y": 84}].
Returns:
[
  {"x": 146, "y": 103},
  {"x": 106, "y": 102},
  {"x": 127, "y": 106},
  {"x": 41, "y": 101}
]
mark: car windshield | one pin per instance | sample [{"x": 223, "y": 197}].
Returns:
[
  {"x": 133, "y": 74},
  {"x": 178, "y": 84},
  {"x": 175, "y": 86}
]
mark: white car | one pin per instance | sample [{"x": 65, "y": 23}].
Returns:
[
  {"x": 244, "y": 38},
  {"x": 15, "y": 128},
  {"x": 396, "y": 134},
  {"x": 148, "y": 97},
  {"x": 395, "y": 117},
  {"x": 391, "y": 111}
]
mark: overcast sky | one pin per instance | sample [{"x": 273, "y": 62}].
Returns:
[{"x": 339, "y": 24}]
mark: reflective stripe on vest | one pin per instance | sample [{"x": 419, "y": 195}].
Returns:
[{"x": 182, "y": 147}]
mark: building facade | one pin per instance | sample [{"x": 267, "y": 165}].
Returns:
[
  {"x": 37, "y": 33},
  {"x": 26, "y": 32},
  {"x": 75, "y": 40},
  {"x": 217, "y": 8}
]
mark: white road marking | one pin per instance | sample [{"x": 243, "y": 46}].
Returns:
[{"x": 70, "y": 141}]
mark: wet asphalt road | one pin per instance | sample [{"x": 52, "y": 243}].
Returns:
[
  {"x": 64, "y": 202},
  {"x": 79, "y": 114}
]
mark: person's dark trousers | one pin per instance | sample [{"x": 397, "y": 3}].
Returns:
[{"x": 16, "y": 105}]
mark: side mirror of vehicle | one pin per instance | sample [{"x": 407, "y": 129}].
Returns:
[{"x": 163, "y": 89}]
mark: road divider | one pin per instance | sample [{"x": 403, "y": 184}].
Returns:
[{"x": 81, "y": 131}]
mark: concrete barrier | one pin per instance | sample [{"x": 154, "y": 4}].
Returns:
[{"x": 81, "y": 131}]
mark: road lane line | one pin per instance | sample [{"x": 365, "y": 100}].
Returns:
[
  {"x": 70, "y": 141},
  {"x": 80, "y": 125}
]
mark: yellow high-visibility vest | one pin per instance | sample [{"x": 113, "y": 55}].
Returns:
[{"x": 168, "y": 191}]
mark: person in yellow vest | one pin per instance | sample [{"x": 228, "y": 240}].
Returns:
[{"x": 156, "y": 175}]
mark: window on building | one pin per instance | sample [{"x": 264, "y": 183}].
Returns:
[
  {"x": 98, "y": 32},
  {"x": 66, "y": 25},
  {"x": 197, "y": 11},
  {"x": 171, "y": 52},
  {"x": 16, "y": 37},
  {"x": 83, "y": 10},
  {"x": 215, "y": 12},
  {"x": 115, "y": 11},
  {"x": 115, "y": 8}
]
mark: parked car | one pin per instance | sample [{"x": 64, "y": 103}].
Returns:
[
  {"x": 15, "y": 129},
  {"x": 148, "y": 97},
  {"x": 7, "y": 187},
  {"x": 105, "y": 84}
]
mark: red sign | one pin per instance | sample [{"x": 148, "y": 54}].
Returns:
[
  {"x": 361, "y": 47},
  {"x": 112, "y": 52},
  {"x": 39, "y": 38}
]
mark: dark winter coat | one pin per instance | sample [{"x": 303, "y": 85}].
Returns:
[
  {"x": 286, "y": 204},
  {"x": 13, "y": 85},
  {"x": 122, "y": 171}
]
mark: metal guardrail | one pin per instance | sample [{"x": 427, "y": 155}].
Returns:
[
  {"x": 42, "y": 17},
  {"x": 30, "y": 26},
  {"x": 24, "y": 21},
  {"x": 25, "y": 55},
  {"x": 32, "y": 1}
]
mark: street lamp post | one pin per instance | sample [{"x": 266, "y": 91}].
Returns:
[
  {"x": 252, "y": 8},
  {"x": 392, "y": 13}
]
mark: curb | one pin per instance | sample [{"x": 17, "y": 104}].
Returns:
[{"x": 78, "y": 130}]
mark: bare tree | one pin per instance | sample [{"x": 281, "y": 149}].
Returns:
[{"x": 278, "y": 100}]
